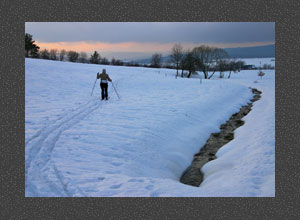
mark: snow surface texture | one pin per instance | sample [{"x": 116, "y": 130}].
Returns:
[
  {"x": 259, "y": 62},
  {"x": 139, "y": 145}
]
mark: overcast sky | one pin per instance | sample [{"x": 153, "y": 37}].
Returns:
[{"x": 137, "y": 39}]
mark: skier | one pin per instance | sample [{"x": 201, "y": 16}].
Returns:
[{"x": 104, "y": 78}]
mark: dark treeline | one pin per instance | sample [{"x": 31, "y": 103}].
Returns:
[
  {"x": 208, "y": 60},
  {"x": 33, "y": 51},
  {"x": 205, "y": 59}
]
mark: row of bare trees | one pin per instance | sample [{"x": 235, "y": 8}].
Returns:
[
  {"x": 71, "y": 56},
  {"x": 156, "y": 60},
  {"x": 33, "y": 51},
  {"x": 82, "y": 57},
  {"x": 203, "y": 58},
  {"x": 74, "y": 56}
]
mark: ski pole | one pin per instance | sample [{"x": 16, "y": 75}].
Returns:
[
  {"x": 94, "y": 87},
  {"x": 115, "y": 90}
]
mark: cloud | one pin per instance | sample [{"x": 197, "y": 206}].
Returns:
[
  {"x": 156, "y": 32},
  {"x": 134, "y": 49}
]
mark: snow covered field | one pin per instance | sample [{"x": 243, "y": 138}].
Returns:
[
  {"x": 77, "y": 145},
  {"x": 257, "y": 62}
]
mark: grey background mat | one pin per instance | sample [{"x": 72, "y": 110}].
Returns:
[{"x": 13, "y": 16}]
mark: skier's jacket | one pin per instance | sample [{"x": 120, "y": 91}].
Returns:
[{"x": 104, "y": 77}]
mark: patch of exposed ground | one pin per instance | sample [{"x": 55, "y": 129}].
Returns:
[{"x": 193, "y": 175}]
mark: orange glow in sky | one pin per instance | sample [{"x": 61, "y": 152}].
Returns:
[{"x": 85, "y": 46}]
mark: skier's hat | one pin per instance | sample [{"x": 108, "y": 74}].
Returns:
[{"x": 103, "y": 70}]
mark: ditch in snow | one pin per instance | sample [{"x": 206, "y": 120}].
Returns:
[{"x": 193, "y": 175}]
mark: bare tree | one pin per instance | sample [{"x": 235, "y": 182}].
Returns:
[
  {"x": 116, "y": 62},
  {"x": 45, "y": 54},
  {"x": 62, "y": 55},
  {"x": 183, "y": 62},
  {"x": 113, "y": 61},
  {"x": 267, "y": 66},
  {"x": 218, "y": 56},
  {"x": 53, "y": 54},
  {"x": 240, "y": 64},
  {"x": 233, "y": 66},
  {"x": 206, "y": 57},
  {"x": 73, "y": 56},
  {"x": 222, "y": 67},
  {"x": 83, "y": 57},
  {"x": 104, "y": 61},
  {"x": 156, "y": 60},
  {"x": 177, "y": 56},
  {"x": 188, "y": 63},
  {"x": 261, "y": 74},
  {"x": 203, "y": 59}
]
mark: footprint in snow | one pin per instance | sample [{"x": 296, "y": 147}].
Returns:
[
  {"x": 116, "y": 186},
  {"x": 101, "y": 178},
  {"x": 113, "y": 172},
  {"x": 135, "y": 180},
  {"x": 149, "y": 187},
  {"x": 117, "y": 164}
]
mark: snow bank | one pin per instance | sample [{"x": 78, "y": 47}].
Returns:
[{"x": 77, "y": 145}]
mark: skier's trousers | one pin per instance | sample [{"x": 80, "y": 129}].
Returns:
[{"x": 104, "y": 87}]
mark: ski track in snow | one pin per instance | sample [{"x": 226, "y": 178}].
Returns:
[
  {"x": 67, "y": 156},
  {"x": 41, "y": 146}
]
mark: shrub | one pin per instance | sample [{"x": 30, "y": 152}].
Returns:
[{"x": 260, "y": 74}]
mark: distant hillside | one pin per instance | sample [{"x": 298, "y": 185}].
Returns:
[
  {"x": 252, "y": 52},
  {"x": 239, "y": 52}
]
